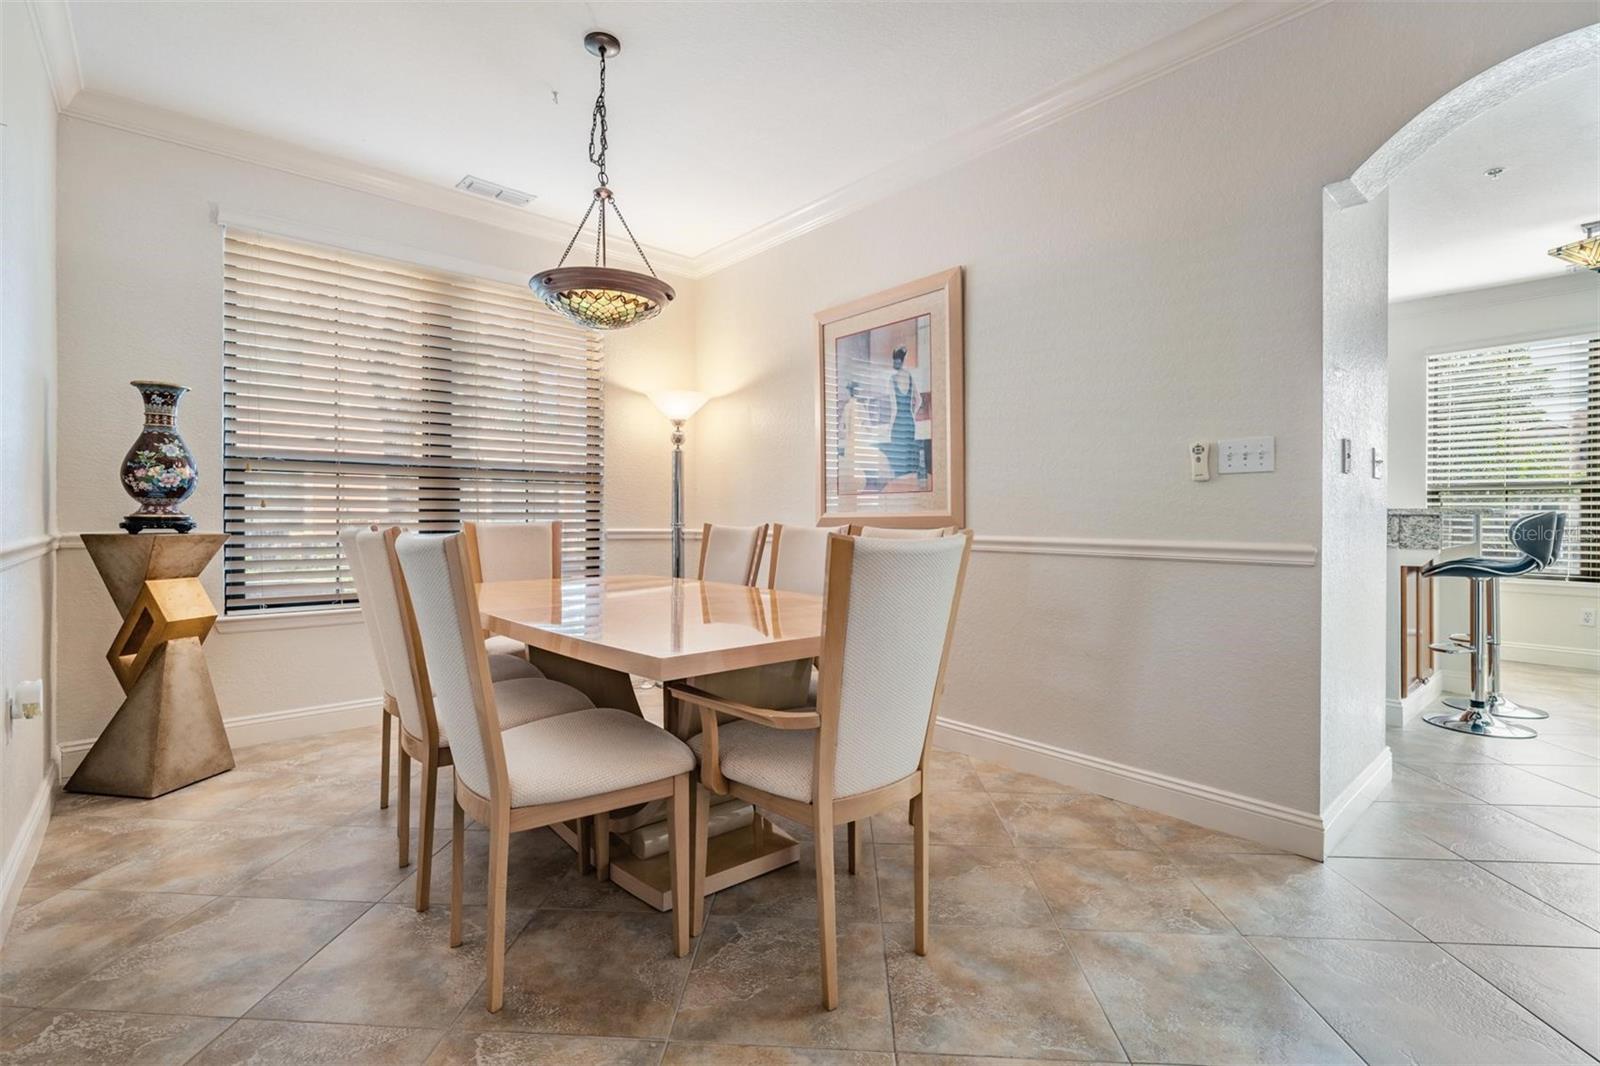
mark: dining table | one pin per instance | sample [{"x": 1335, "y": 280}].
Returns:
[{"x": 602, "y": 633}]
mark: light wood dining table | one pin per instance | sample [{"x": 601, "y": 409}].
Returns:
[{"x": 598, "y": 633}]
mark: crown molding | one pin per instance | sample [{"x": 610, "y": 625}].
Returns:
[
  {"x": 1212, "y": 34},
  {"x": 52, "y": 28},
  {"x": 132, "y": 117}
]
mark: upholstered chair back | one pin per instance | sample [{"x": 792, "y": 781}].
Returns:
[
  {"x": 446, "y": 610},
  {"x": 347, "y": 544},
  {"x": 383, "y": 603},
  {"x": 797, "y": 558},
  {"x": 896, "y": 533},
  {"x": 515, "y": 551},
  {"x": 729, "y": 553},
  {"x": 902, "y": 597}
]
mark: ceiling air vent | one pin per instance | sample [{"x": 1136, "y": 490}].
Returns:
[{"x": 491, "y": 191}]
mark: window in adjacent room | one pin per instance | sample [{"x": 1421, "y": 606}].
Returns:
[
  {"x": 361, "y": 390},
  {"x": 1517, "y": 429}
]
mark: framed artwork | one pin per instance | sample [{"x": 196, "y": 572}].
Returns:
[{"x": 890, "y": 420}]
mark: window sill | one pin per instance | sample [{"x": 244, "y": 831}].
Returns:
[{"x": 260, "y": 623}]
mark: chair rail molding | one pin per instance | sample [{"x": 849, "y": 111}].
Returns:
[{"x": 26, "y": 550}]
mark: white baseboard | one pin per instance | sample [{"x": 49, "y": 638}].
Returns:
[
  {"x": 1551, "y": 655},
  {"x": 1343, "y": 813},
  {"x": 1283, "y": 827},
  {"x": 25, "y": 849},
  {"x": 1398, "y": 712},
  {"x": 261, "y": 728}
]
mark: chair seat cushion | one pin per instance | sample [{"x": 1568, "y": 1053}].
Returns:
[
  {"x": 506, "y": 667},
  {"x": 774, "y": 760},
  {"x": 588, "y": 753},
  {"x": 521, "y": 700},
  {"x": 505, "y": 646},
  {"x": 1480, "y": 566}
]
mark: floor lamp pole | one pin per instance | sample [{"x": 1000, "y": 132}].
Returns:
[{"x": 677, "y": 497}]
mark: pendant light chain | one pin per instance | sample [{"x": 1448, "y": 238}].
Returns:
[{"x": 597, "y": 124}]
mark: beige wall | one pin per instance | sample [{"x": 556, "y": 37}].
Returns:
[
  {"x": 141, "y": 292},
  {"x": 27, "y": 432},
  {"x": 1143, "y": 274}
]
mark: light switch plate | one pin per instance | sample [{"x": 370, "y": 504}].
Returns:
[{"x": 1246, "y": 455}]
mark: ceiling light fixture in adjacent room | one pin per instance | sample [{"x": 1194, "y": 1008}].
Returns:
[
  {"x": 1584, "y": 253},
  {"x": 602, "y": 296}
]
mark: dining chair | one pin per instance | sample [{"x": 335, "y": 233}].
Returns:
[
  {"x": 527, "y": 696},
  {"x": 888, "y": 615},
  {"x": 797, "y": 558},
  {"x": 570, "y": 766},
  {"x": 898, "y": 533},
  {"x": 730, "y": 553},
  {"x": 512, "y": 551}
]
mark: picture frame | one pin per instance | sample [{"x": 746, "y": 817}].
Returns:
[{"x": 890, "y": 416}]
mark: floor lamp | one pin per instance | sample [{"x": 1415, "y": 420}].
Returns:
[{"x": 679, "y": 405}]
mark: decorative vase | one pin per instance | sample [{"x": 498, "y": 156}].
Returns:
[{"x": 159, "y": 470}]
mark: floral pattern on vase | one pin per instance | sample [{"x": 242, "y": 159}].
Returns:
[{"x": 159, "y": 470}]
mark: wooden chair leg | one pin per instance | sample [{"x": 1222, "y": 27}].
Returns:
[
  {"x": 430, "y": 796},
  {"x": 823, "y": 833},
  {"x": 602, "y": 846},
  {"x": 403, "y": 814},
  {"x": 585, "y": 844},
  {"x": 855, "y": 847},
  {"x": 702, "y": 839},
  {"x": 920, "y": 872},
  {"x": 499, "y": 853},
  {"x": 383, "y": 777},
  {"x": 458, "y": 859},
  {"x": 678, "y": 844},
  {"x": 758, "y": 831}
]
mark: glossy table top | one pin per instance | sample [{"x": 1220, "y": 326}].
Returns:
[{"x": 655, "y": 627}]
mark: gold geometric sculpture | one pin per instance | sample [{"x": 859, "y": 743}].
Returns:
[{"x": 168, "y": 732}]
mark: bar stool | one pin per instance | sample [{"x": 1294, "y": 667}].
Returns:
[{"x": 1538, "y": 538}]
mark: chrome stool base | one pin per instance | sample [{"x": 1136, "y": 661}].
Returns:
[
  {"x": 1480, "y": 723},
  {"x": 1500, "y": 707}
]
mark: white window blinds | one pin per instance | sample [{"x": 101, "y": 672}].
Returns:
[
  {"x": 360, "y": 390},
  {"x": 1517, "y": 429}
]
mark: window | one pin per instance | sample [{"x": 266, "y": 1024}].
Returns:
[
  {"x": 359, "y": 390},
  {"x": 1517, "y": 429}
]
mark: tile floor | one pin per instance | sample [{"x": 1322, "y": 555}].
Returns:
[{"x": 260, "y": 917}]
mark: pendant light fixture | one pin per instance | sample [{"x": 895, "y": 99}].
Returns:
[
  {"x": 1584, "y": 253},
  {"x": 602, "y": 296}
]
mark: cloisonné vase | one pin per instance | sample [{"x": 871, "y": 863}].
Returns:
[{"x": 158, "y": 471}]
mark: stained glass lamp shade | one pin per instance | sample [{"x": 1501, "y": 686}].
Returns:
[{"x": 1584, "y": 253}]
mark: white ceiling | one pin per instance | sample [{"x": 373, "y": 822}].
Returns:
[
  {"x": 724, "y": 117},
  {"x": 1451, "y": 228}
]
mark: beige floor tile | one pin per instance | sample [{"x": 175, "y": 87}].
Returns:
[
  {"x": 997, "y": 778},
  {"x": 953, "y": 818},
  {"x": 570, "y": 890},
  {"x": 258, "y": 1043},
  {"x": 340, "y": 863},
  {"x": 997, "y": 992},
  {"x": 81, "y": 1038},
  {"x": 1500, "y": 783},
  {"x": 792, "y": 891},
  {"x": 1413, "y": 1003},
  {"x": 10, "y": 1013},
  {"x": 1459, "y": 903},
  {"x": 1559, "y": 985},
  {"x": 1176, "y": 835},
  {"x": 76, "y": 849},
  {"x": 756, "y": 981},
  {"x": 1476, "y": 831},
  {"x": 1411, "y": 786},
  {"x": 1567, "y": 887},
  {"x": 393, "y": 966},
  {"x": 1422, "y": 744},
  {"x": 204, "y": 857},
  {"x": 1392, "y": 831},
  {"x": 495, "y": 1049},
  {"x": 969, "y": 1060},
  {"x": 1122, "y": 891},
  {"x": 588, "y": 973},
  {"x": 218, "y": 960},
  {"x": 1579, "y": 824},
  {"x": 1202, "y": 999},
  {"x": 950, "y": 771},
  {"x": 1068, "y": 822},
  {"x": 55, "y": 944},
  {"x": 753, "y": 1055},
  {"x": 1540, "y": 752},
  {"x": 1286, "y": 895},
  {"x": 966, "y": 886},
  {"x": 537, "y": 860},
  {"x": 312, "y": 799},
  {"x": 211, "y": 799},
  {"x": 1584, "y": 779}
]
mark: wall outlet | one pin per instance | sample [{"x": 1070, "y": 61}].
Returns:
[
  {"x": 1586, "y": 616},
  {"x": 27, "y": 699},
  {"x": 1247, "y": 455}
]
